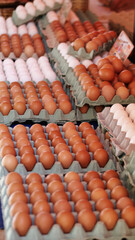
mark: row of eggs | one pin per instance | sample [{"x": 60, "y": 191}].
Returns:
[{"x": 37, "y": 70}]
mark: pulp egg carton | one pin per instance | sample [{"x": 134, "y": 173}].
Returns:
[
  {"x": 57, "y": 166},
  {"x": 120, "y": 231},
  {"x": 29, "y": 12},
  {"x": 57, "y": 117},
  {"x": 119, "y": 122},
  {"x": 90, "y": 115}
]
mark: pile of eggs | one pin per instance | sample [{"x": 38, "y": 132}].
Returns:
[
  {"x": 18, "y": 40},
  {"x": 109, "y": 77},
  {"x": 120, "y": 123},
  {"x": 31, "y": 8},
  {"x": 30, "y": 70},
  {"x": 36, "y": 98},
  {"x": 51, "y": 144},
  {"x": 72, "y": 198}
]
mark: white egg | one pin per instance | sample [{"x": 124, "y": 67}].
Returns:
[
  {"x": 125, "y": 127},
  {"x": 39, "y": 5},
  {"x": 120, "y": 113},
  {"x": 49, "y": 3},
  {"x": 2, "y": 78},
  {"x": 122, "y": 120},
  {"x": 52, "y": 16},
  {"x": 22, "y": 30},
  {"x": 86, "y": 63},
  {"x": 30, "y": 8},
  {"x": 130, "y": 107},
  {"x": 32, "y": 29},
  {"x": 3, "y": 30},
  {"x": 12, "y": 30},
  {"x": 21, "y": 12},
  {"x": 116, "y": 107},
  {"x": 73, "y": 17},
  {"x": 131, "y": 132},
  {"x": 96, "y": 59},
  {"x": 132, "y": 141},
  {"x": 132, "y": 115}
]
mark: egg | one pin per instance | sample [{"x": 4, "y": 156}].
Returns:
[
  {"x": 70, "y": 176},
  {"x": 77, "y": 147},
  {"x": 113, "y": 182},
  {"x": 87, "y": 219},
  {"x": 95, "y": 183},
  {"x": 19, "y": 206},
  {"x": 103, "y": 203},
  {"x": 110, "y": 174},
  {"x": 28, "y": 160},
  {"x": 77, "y": 44},
  {"x": 17, "y": 196},
  {"x": 66, "y": 220},
  {"x": 98, "y": 193},
  {"x": 122, "y": 92},
  {"x": 108, "y": 92},
  {"x": 13, "y": 177},
  {"x": 44, "y": 221},
  {"x": 18, "y": 219},
  {"x": 119, "y": 192},
  {"x": 13, "y": 187},
  {"x": 91, "y": 45},
  {"x": 34, "y": 186},
  {"x": 74, "y": 185},
  {"x": 125, "y": 76},
  {"x": 62, "y": 205},
  {"x": 128, "y": 214},
  {"x": 55, "y": 185},
  {"x": 51, "y": 177},
  {"x": 82, "y": 204},
  {"x": 93, "y": 93},
  {"x": 106, "y": 74},
  {"x": 38, "y": 195},
  {"x": 83, "y": 157},
  {"x": 109, "y": 213},
  {"x": 65, "y": 158},
  {"x": 41, "y": 206},
  {"x": 79, "y": 194},
  {"x": 10, "y": 162},
  {"x": 101, "y": 156},
  {"x": 47, "y": 159},
  {"x": 58, "y": 195},
  {"x": 124, "y": 202},
  {"x": 33, "y": 177}
]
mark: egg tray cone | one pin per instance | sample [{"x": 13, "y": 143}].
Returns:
[
  {"x": 57, "y": 167},
  {"x": 120, "y": 231},
  {"x": 66, "y": 72},
  {"x": 17, "y": 21}
]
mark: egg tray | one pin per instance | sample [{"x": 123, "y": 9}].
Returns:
[
  {"x": 22, "y": 56},
  {"x": 57, "y": 117},
  {"x": 17, "y": 21},
  {"x": 129, "y": 168},
  {"x": 57, "y": 167},
  {"x": 66, "y": 72},
  {"x": 87, "y": 15},
  {"x": 121, "y": 230}
]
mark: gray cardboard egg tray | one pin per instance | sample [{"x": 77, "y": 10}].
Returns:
[
  {"x": 57, "y": 117},
  {"x": 57, "y": 167},
  {"x": 121, "y": 230},
  {"x": 22, "y": 56},
  {"x": 66, "y": 72},
  {"x": 107, "y": 124},
  {"x": 17, "y": 21}
]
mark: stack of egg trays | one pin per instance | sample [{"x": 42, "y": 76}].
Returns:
[
  {"x": 79, "y": 95},
  {"x": 57, "y": 117},
  {"x": 121, "y": 230},
  {"x": 17, "y": 21},
  {"x": 57, "y": 167}
]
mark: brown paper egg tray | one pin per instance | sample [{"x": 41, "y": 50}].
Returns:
[
  {"x": 57, "y": 166},
  {"x": 57, "y": 117},
  {"x": 120, "y": 231},
  {"x": 67, "y": 73},
  {"x": 17, "y": 21}
]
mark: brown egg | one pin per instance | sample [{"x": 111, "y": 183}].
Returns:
[
  {"x": 70, "y": 176},
  {"x": 13, "y": 177},
  {"x": 6, "y": 142},
  {"x": 118, "y": 84},
  {"x": 119, "y": 192},
  {"x": 98, "y": 193},
  {"x": 110, "y": 174},
  {"x": 17, "y": 196},
  {"x": 5, "y": 108},
  {"x": 35, "y": 186},
  {"x": 50, "y": 107},
  {"x": 106, "y": 74},
  {"x": 91, "y": 45},
  {"x": 36, "y": 107},
  {"x": 28, "y": 160},
  {"x": 41, "y": 206},
  {"x": 66, "y": 220},
  {"x": 113, "y": 182},
  {"x": 53, "y": 134},
  {"x": 124, "y": 202},
  {"x": 60, "y": 147},
  {"x": 77, "y": 147},
  {"x": 128, "y": 214},
  {"x": 19, "y": 128},
  {"x": 103, "y": 203},
  {"x": 87, "y": 132},
  {"x": 23, "y": 142},
  {"x": 10, "y": 162},
  {"x": 122, "y": 92},
  {"x": 37, "y": 134},
  {"x": 20, "y": 135},
  {"x": 18, "y": 219},
  {"x": 87, "y": 219},
  {"x": 93, "y": 93},
  {"x": 47, "y": 159},
  {"x": 62, "y": 205},
  {"x": 101, "y": 156},
  {"x": 83, "y": 157},
  {"x": 90, "y": 175},
  {"x": 26, "y": 149},
  {"x": 29, "y": 51},
  {"x": 13, "y": 187},
  {"x": 83, "y": 204},
  {"x": 19, "y": 206},
  {"x": 38, "y": 195},
  {"x": 55, "y": 185},
  {"x": 65, "y": 106},
  {"x": 118, "y": 65},
  {"x": 109, "y": 213},
  {"x": 41, "y": 141},
  {"x": 58, "y": 195},
  {"x": 78, "y": 43},
  {"x": 83, "y": 126},
  {"x": 108, "y": 92},
  {"x": 79, "y": 194},
  {"x": 51, "y": 177},
  {"x": 43, "y": 148},
  {"x": 57, "y": 140},
  {"x": 44, "y": 221},
  {"x": 125, "y": 76},
  {"x": 65, "y": 158},
  {"x": 35, "y": 128},
  {"x": 74, "y": 185},
  {"x": 90, "y": 138},
  {"x": 70, "y": 132},
  {"x": 19, "y": 107},
  {"x": 95, "y": 183},
  {"x": 74, "y": 139},
  {"x": 33, "y": 177}
]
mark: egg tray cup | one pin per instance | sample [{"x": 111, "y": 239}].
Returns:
[
  {"x": 82, "y": 54},
  {"x": 121, "y": 230},
  {"x": 17, "y": 21},
  {"x": 57, "y": 166}
]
